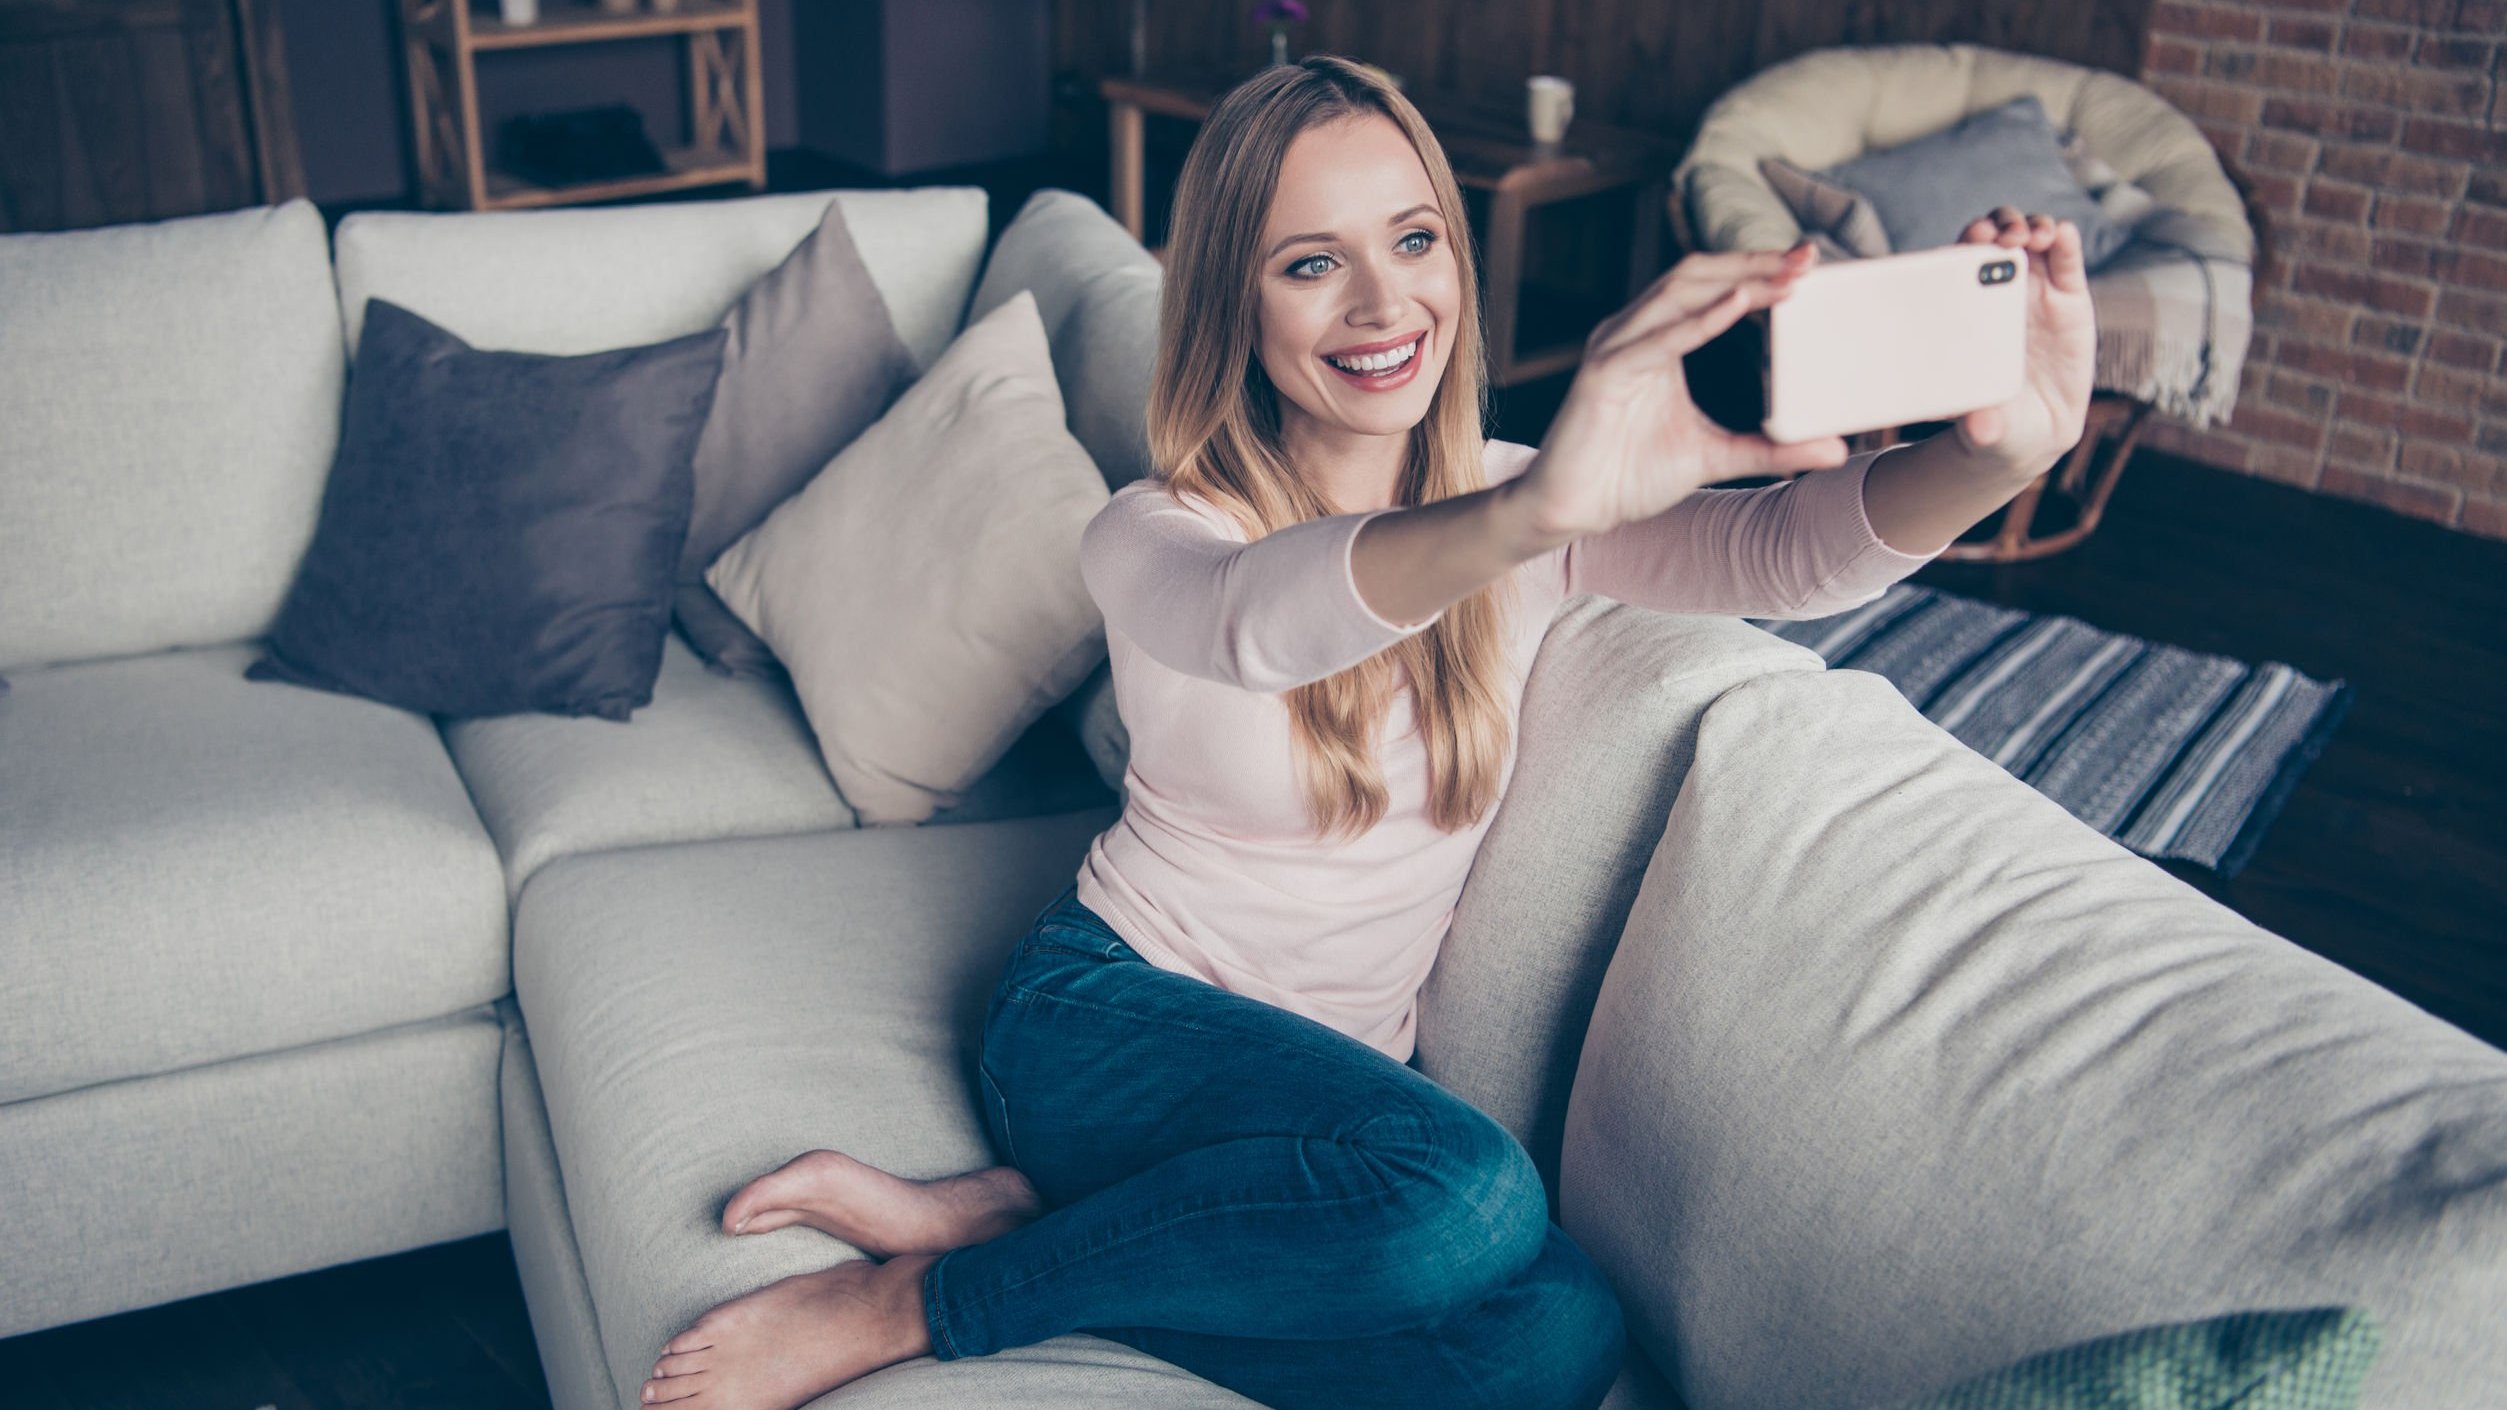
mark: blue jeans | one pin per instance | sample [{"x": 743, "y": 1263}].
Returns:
[{"x": 1268, "y": 1203}]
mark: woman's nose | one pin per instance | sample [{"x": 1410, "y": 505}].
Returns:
[{"x": 1375, "y": 296}]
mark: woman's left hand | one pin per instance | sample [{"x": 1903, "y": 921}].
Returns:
[{"x": 2035, "y": 427}]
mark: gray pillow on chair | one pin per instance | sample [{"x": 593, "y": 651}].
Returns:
[
  {"x": 1927, "y": 190},
  {"x": 813, "y": 359}
]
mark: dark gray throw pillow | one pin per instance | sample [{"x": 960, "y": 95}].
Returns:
[
  {"x": 813, "y": 360},
  {"x": 501, "y": 530},
  {"x": 1927, "y": 190}
]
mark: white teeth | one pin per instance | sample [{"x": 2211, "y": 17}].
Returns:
[{"x": 1377, "y": 362}]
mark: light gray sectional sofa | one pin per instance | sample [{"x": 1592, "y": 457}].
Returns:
[{"x": 1860, "y": 1067}]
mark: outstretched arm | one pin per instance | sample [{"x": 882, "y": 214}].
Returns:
[
  {"x": 1296, "y": 605},
  {"x": 1796, "y": 550}
]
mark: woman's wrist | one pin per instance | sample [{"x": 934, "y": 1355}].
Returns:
[
  {"x": 1412, "y": 563},
  {"x": 1919, "y": 498},
  {"x": 1519, "y": 523},
  {"x": 2013, "y": 463}
]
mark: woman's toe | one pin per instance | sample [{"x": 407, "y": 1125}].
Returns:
[
  {"x": 675, "y": 1388},
  {"x": 759, "y": 1221},
  {"x": 682, "y": 1364}
]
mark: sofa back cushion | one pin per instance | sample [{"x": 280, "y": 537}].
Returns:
[
  {"x": 169, "y": 401},
  {"x": 579, "y": 281},
  {"x": 1097, "y": 290},
  {"x": 1902, "y": 1073},
  {"x": 1609, "y": 720}
]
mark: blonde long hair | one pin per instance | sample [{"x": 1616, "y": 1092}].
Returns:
[{"x": 1214, "y": 431}]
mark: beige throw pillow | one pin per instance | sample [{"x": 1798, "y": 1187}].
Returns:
[{"x": 923, "y": 589}]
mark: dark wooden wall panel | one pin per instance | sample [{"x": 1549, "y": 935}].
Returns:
[
  {"x": 1648, "y": 64},
  {"x": 127, "y": 110}
]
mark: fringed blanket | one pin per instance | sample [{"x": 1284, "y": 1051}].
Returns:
[{"x": 2175, "y": 305}]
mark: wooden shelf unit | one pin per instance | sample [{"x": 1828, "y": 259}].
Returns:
[{"x": 726, "y": 98}]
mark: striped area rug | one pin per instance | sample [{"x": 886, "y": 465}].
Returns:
[{"x": 2171, "y": 752}]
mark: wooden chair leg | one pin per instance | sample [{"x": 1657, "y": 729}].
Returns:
[
  {"x": 2012, "y": 540},
  {"x": 2114, "y": 468}
]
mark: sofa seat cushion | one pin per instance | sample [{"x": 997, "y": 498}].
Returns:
[
  {"x": 1902, "y": 1074},
  {"x": 194, "y": 867},
  {"x": 699, "y": 1015},
  {"x": 711, "y": 757}
]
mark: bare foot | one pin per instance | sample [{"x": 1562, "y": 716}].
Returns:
[
  {"x": 879, "y": 1213},
  {"x": 790, "y": 1342}
]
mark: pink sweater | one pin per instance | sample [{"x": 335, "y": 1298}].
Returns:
[{"x": 1213, "y": 871}]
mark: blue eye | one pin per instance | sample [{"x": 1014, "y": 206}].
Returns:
[{"x": 1429, "y": 236}]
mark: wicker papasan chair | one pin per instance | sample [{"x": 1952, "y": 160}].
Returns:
[{"x": 2174, "y": 305}]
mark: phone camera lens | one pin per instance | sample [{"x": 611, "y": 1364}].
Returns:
[{"x": 1998, "y": 272}]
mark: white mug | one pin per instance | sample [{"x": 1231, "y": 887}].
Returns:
[{"x": 1550, "y": 106}]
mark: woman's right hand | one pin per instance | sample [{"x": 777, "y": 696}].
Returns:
[{"x": 1628, "y": 443}]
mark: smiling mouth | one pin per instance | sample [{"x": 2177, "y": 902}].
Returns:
[{"x": 1388, "y": 370}]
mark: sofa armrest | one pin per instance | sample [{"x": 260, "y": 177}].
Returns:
[
  {"x": 1902, "y": 1073},
  {"x": 1609, "y": 720}
]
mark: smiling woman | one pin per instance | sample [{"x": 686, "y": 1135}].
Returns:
[{"x": 1321, "y": 609}]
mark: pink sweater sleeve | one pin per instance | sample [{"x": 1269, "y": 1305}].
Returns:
[
  {"x": 1266, "y": 616},
  {"x": 1800, "y": 549}
]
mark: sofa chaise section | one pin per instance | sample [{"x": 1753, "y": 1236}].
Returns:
[{"x": 698, "y": 1015}]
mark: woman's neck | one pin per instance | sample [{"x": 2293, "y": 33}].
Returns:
[{"x": 1353, "y": 472}]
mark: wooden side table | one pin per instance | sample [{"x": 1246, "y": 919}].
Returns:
[
  {"x": 726, "y": 103},
  {"x": 1491, "y": 152}
]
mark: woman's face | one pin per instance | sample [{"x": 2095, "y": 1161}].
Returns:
[{"x": 1384, "y": 272}]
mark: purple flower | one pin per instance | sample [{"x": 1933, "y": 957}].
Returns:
[{"x": 1279, "y": 12}]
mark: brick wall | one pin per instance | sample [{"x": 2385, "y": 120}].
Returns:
[{"x": 2374, "y": 136}]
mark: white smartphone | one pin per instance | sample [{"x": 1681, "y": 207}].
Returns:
[{"x": 1922, "y": 336}]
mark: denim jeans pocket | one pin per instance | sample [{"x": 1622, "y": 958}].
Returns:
[
  {"x": 1070, "y": 926},
  {"x": 1077, "y": 940}
]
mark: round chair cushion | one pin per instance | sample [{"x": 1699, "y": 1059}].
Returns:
[{"x": 1833, "y": 105}]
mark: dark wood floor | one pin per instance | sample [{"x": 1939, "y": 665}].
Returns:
[
  {"x": 2390, "y": 858},
  {"x": 441, "y": 1328}
]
